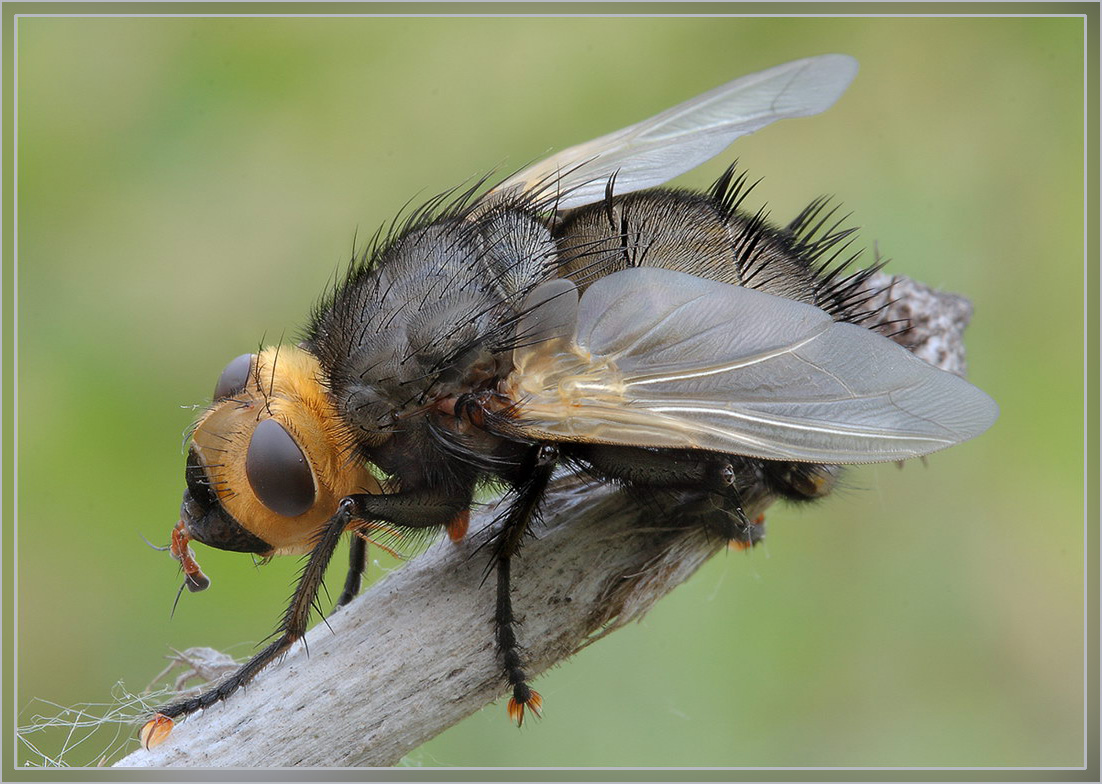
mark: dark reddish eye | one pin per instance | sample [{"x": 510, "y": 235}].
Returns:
[
  {"x": 234, "y": 376},
  {"x": 278, "y": 471}
]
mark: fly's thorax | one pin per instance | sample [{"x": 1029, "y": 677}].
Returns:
[
  {"x": 520, "y": 252},
  {"x": 429, "y": 317},
  {"x": 270, "y": 459},
  {"x": 440, "y": 349}
]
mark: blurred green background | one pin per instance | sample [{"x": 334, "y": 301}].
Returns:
[{"x": 187, "y": 187}]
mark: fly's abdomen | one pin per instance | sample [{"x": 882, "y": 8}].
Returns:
[{"x": 709, "y": 235}]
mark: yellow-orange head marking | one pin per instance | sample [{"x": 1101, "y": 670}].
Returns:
[{"x": 270, "y": 459}]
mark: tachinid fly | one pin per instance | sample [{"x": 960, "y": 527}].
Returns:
[{"x": 574, "y": 316}]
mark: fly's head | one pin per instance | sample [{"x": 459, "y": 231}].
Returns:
[{"x": 268, "y": 461}]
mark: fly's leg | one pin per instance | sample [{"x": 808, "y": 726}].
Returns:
[
  {"x": 418, "y": 509},
  {"x": 290, "y": 629},
  {"x": 538, "y": 468},
  {"x": 357, "y": 561},
  {"x": 705, "y": 489},
  {"x": 407, "y": 510},
  {"x": 413, "y": 509}
]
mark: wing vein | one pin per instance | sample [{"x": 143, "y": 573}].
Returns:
[
  {"x": 793, "y": 424},
  {"x": 738, "y": 364}
]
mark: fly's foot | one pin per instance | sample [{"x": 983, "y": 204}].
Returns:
[
  {"x": 754, "y": 534},
  {"x": 524, "y": 697},
  {"x": 720, "y": 514},
  {"x": 155, "y": 731}
]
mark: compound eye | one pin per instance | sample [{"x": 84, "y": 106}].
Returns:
[
  {"x": 278, "y": 471},
  {"x": 234, "y": 376}
]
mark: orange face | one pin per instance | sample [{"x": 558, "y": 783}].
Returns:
[{"x": 270, "y": 460}]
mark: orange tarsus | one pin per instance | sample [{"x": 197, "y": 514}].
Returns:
[
  {"x": 155, "y": 731},
  {"x": 516, "y": 709},
  {"x": 458, "y": 526},
  {"x": 741, "y": 544}
]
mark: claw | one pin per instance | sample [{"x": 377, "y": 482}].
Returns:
[
  {"x": 533, "y": 703},
  {"x": 155, "y": 731}
]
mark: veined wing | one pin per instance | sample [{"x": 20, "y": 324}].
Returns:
[
  {"x": 664, "y": 359},
  {"x": 681, "y": 138}
]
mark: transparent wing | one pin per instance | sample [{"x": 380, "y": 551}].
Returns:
[
  {"x": 663, "y": 359},
  {"x": 658, "y": 149}
]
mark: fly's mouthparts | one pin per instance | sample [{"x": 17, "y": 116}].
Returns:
[{"x": 194, "y": 578}]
